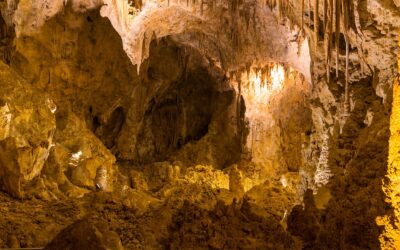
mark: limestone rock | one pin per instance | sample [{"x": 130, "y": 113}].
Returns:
[
  {"x": 236, "y": 182},
  {"x": 79, "y": 153},
  {"x": 26, "y": 132},
  {"x": 84, "y": 234},
  {"x": 138, "y": 181}
]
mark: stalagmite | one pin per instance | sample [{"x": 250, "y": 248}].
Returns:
[{"x": 390, "y": 237}]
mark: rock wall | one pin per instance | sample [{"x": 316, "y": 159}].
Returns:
[
  {"x": 62, "y": 59},
  {"x": 26, "y": 132},
  {"x": 349, "y": 142}
]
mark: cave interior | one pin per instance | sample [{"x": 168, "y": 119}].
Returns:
[{"x": 218, "y": 124}]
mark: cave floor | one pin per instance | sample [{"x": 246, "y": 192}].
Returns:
[{"x": 185, "y": 213}]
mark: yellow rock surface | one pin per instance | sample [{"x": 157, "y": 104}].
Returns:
[{"x": 390, "y": 239}]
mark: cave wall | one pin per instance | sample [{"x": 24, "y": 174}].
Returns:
[
  {"x": 24, "y": 148},
  {"x": 78, "y": 61},
  {"x": 104, "y": 108},
  {"x": 349, "y": 148}
]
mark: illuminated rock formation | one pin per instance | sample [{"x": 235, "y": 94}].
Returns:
[
  {"x": 390, "y": 239},
  {"x": 24, "y": 148},
  {"x": 199, "y": 124}
]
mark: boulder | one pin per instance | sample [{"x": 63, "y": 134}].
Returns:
[{"x": 87, "y": 235}]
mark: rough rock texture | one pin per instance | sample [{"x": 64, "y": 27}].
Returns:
[
  {"x": 225, "y": 227},
  {"x": 391, "y": 235},
  {"x": 84, "y": 234},
  {"x": 157, "y": 102},
  {"x": 148, "y": 220},
  {"x": 27, "y": 126},
  {"x": 351, "y": 129}
]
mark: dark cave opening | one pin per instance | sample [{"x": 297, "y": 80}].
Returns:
[
  {"x": 184, "y": 113},
  {"x": 109, "y": 132},
  {"x": 183, "y": 109}
]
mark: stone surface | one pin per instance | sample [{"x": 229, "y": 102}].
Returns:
[
  {"x": 178, "y": 101},
  {"x": 27, "y": 132},
  {"x": 84, "y": 234}
]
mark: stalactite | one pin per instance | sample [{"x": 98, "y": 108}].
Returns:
[
  {"x": 279, "y": 9},
  {"x": 345, "y": 9},
  {"x": 325, "y": 7},
  {"x": 201, "y": 7},
  {"x": 316, "y": 22},
  {"x": 248, "y": 69},
  {"x": 309, "y": 13},
  {"x": 273, "y": 4},
  {"x": 239, "y": 106},
  {"x": 302, "y": 15},
  {"x": 211, "y": 4},
  {"x": 247, "y": 18},
  {"x": 337, "y": 35},
  {"x": 328, "y": 39},
  {"x": 254, "y": 19},
  {"x": 143, "y": 51},
  {"x": 264, "y": 75},
  {"x": 347, "y": 99},
  {"x": 234, "y": 4}
]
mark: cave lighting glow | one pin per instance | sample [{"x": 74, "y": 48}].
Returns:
[
  {"x": 260, "y": 87},
  {"x": 390, "y": 237}
]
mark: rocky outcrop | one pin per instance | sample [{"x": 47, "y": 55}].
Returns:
[
  {"x": 42, "y": 150},
  {"x": 225, "y": 227},
  {"x": 26, "y": 133},
  {"x": 84, "y": 234}
]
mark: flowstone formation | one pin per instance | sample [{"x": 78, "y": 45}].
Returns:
[
  {"x": 198, "y": 124},
  {"x": 391, "y": 236}
]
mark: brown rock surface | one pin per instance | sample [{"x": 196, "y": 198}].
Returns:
[
  {"x": 26, "y": 132},
  {"x": 84, "y": 234},
  {"x": 199, "y": 124}
]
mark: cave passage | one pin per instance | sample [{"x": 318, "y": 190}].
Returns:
[{"x": 183, "y": 107}]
